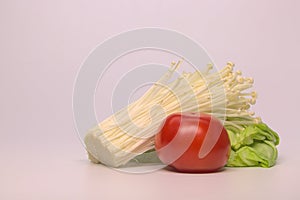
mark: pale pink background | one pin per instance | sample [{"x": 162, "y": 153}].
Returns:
[{"x": 43, "y": 43}]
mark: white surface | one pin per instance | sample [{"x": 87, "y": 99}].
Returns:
[{"x": 55, "y": 174}]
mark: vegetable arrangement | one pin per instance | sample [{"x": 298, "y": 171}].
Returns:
[{"x": 134, "y": 130}]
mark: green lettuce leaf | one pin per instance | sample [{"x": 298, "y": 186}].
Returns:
[
  {"x": 255, "y": 145},
  {"x": 147, "y": 157}
]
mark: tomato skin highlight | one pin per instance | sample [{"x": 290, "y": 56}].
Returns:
[{"x": 193, "y": 143}]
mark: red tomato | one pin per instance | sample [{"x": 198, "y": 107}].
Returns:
[{"x": 193, "y": 143}]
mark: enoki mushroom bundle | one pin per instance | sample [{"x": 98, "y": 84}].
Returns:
[{"x": 130, "y": 132}]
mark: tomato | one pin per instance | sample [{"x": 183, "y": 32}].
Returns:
[{"x": 193, "y": 143}]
